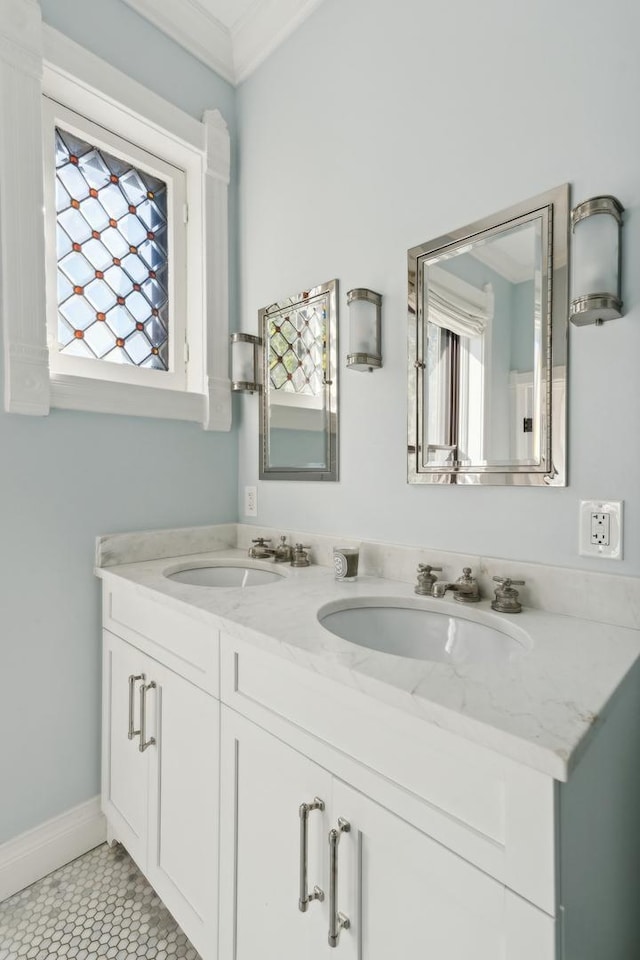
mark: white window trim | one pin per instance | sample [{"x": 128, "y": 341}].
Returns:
[{"x": 32, "y": 55}]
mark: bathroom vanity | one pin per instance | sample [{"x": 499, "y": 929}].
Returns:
[{"x": 290, "y": 794}]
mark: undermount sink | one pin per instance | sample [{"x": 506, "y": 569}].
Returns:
[
  {"x": 408, "y": 629},
  {"x": 223, "y": 574}
]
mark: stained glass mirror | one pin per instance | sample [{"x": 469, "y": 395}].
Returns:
[{"x": 299, "y": 399}]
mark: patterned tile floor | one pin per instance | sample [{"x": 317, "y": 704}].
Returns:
[{"x": 99, "y": 906}]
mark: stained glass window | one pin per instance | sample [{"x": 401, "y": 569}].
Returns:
[
  {"x": 112, "y": 255},
  {"x": 297, "y": 345}
]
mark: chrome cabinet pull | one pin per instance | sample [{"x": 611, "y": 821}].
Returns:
[
  {"x": 144, "y": 743},
  {"x": 132, "y": 684},
  {"x": 305, "y": 898},
  {"x": 337, "y": 920}
]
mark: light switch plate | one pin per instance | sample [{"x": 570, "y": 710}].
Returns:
[{"x": 601, "y": 529}]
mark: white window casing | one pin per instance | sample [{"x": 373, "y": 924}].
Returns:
[
  {"x": 216, "y": 238},
  {"x": 457, "y": 305},
  {"x": 467, "y": 311},
  {"x": 60, "y": 363},
  {"x": 37, "y": 60}
]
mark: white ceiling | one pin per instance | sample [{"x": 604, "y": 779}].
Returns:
[{"x": 232, "y": 37}]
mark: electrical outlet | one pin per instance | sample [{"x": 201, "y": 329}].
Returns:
[
  {"x": 250, "y": 502},
  {"x": 601, "y": 529}
]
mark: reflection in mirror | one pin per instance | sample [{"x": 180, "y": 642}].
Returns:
[
  {"x": 483, "y": 313},
  {"x": 488, "y": 349},
  {"x": 298, "y": 417}
]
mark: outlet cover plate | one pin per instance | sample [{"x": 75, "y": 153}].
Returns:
[
  {"x": 250, "y": 502},
  {"x": 612, "y": 511}
]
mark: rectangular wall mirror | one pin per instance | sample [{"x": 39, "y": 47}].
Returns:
[
  {"x": 488, "y": 315},
  {"x": 299, "y": 399}
]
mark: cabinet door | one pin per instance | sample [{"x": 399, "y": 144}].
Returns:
[
  {"x": 407, "y": 896},
  {"x": 124, "y": 768},
  {"x": 264, "y": 782},
  {"x": 184, "y": 804}
]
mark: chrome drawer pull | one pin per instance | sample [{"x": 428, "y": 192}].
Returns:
[
  {"x": 132, "y": 683},
  {"x": 305, "y": 898},
  {"x": 337, "y": 920},
  {"x": 144, "y": 743}
]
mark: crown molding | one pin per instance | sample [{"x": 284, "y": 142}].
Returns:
[
  {"x": 233, "y": 54},
  {"x": 194, "y": 28},
  {"x": 263, "y": 29}
]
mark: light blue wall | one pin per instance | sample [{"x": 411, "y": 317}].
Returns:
[
  {"x": 367, "y": 133},
  {"x": 70, "y": 476}
]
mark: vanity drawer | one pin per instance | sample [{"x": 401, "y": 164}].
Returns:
[
  {"x": 493, "y": 812},
  {"x": 184, "y": 644}
]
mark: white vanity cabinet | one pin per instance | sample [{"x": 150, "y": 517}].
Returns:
[
  {"x": 162, "y": 802},
  {"x": 403, "y": 894},
  {"x": 125, "y": 770},
  {"x": 428, "y": 842},
  {"x": 405, "y": 891},
  {"x": 264, "y": 782},
  {"x": 408, "y": 896}
]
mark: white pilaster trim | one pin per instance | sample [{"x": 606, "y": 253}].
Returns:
[
  {"x": 216, "y": 247},
  {"x": 22, "y": 303},
  {"x": 38, "y": 852},
  {"x": 194, "y": 28}
]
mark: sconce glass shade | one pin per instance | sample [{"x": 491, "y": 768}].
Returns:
[
  {"x": 596, "y": 260},
  {"x": 244, "y": 362},
  {"x": 365, "y": 329}
]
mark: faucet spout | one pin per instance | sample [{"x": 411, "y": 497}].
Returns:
[{"x": 440, "y": 587}]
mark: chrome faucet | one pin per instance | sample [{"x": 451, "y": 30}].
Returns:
[
  {"x": 465, "y": 588},
  {"x": 468, "y": 588},
  {"x": 440, "y": 587},
  {"x": 426, "y": 579},
  {"x": 260, "y": 550},
  {"x": 283, "y": 553},
  {"x": 507, "y": 599},
  {"x": 300, "y": 556}
]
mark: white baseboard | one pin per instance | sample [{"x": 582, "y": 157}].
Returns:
[{"x": 38, "y": 852}]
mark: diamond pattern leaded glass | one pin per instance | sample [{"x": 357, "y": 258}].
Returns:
[
  {"x": 112, "y": 257},
  {"x": 297, "y": 348}
]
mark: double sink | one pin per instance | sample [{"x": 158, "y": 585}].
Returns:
[{"x": 405, "y": 627}]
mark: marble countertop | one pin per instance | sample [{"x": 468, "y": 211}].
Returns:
[{"x": 538, "y": 708}]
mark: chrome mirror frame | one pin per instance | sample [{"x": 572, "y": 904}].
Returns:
[
  {"x": 553, "y": 208},
  {"x": 328, "y": 291}
]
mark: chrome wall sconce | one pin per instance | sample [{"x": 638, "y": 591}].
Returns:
[
  {"x": 365, "y": 329},
  {"x": 596, "y": 258},
  {"x": 245, "y": 362}
]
